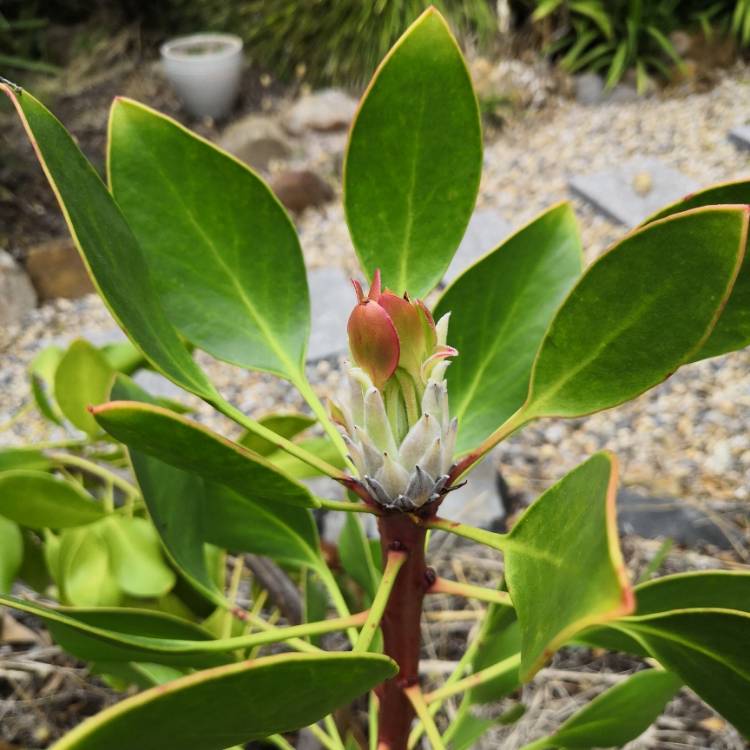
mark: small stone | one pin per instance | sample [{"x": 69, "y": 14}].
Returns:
[
  {"x": 589, "y": 88},
  {"x": 256, "y": 140},
  {"x": 324, "y": 110},
  {"x": 643, "y": 183},
  {"x": 740, "y": 136},
  {"x": 478, "y": 502},
  {"x": 56, "y": 270},
  {"x": 17, "y": 296},
  {"x": 301, "y": 189},
  {"x": 720, "y": 459}
]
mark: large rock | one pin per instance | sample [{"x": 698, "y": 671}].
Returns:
[
  {"x": 257, "y": 140},
  {"x": 56, "y": 270},
  {"x": 331, "y": 302},
  {"x": 323, "y": 110},
  {"x": 301, "y": 189},
  {"x": 17, "y": 295}
]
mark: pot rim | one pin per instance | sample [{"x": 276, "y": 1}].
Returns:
[{"x": 172, "y": 48}]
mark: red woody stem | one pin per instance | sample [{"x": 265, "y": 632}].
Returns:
[{"x": 401, "y": 627}]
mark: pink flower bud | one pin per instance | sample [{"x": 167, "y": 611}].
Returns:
[{"x": 373, "y": 339}]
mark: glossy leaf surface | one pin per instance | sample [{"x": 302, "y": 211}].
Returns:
[
  {"x": 84, "y": 573},
  {"x": 356, "y": 555},
  {"x": 11, "y": 553},
  {"x": 107, "y": 245},
  {"x": 187, "y": 445},
  {"x": 733, "y": 328},
  {"x": 23, "y": 458},
  {"x": 83, "y": 378},
  {"x": 618, "y": 715},
  {"x": 227, "y": 265},
  {"x": 39, "y": 500},
  {"x": 500, "y": 308},
  {"x": 565, "y": 581},
  {"x": 414, "y": 160},
  {"x": 136, "y": 557},
  {"x": 626, "y": 326},
  {"x": 279, "y": 694},
  {"x": 119, "y": 635},
  {"x": 708, "y": 650},
  {"x": 282, "y": 532},
  {"x": 174, "y": 499}
]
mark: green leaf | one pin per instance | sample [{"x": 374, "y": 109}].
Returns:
[
  {"x": 83, "y": 378},
  {"x": 414, "y": 159},
  {"x": 187, "y": 445},
  {"x": 111, "y": 634},
  {"x": 42, "y": 372},
  {"x": 625, "y": 326},
  {"x": 175, "y": 502},
  {"x": 107, "y": 245},
  {"x": 618, "y": 715},
  {"x": 320, "y": 446},
  {"x": 617, "y": 66},
  {"x": 227, "y": 265},
  {"x": 286, "y": 425},
  {"x": 563, "y": 562},
  {"x": 123, "y": 357},
  {"x": 707, "y": 648},
  {"x": 11, "y": 553},
  {"x": 141, "y": 674},
  {"x": 356, "y": 556},
  {"x": 717, "y": 589},
  {"x": 276, "y": 697},
  {"x": 500, "y": 309},
  {"x": 136, "y": 557},
  {"x": 23, "y": 458},
  {"x": 39, "y": 500},
  {"x": 733, "y": 328},
  {"x": 282, "y": 532},
  {"x": 84, "y": 567}
]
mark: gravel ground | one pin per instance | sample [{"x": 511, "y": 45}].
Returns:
[{"x": 687, "y": 437}]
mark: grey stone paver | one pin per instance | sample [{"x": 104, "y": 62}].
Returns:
[
  {"x": 740, "y": 136},
  {"x": 486, "y": 230},
  {"x": 623, "y": 193},
  {"x": 331, "y": 301}
]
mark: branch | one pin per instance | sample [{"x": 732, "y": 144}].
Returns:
[
  {"x": 283, "y": 592},
  {"x": 444, "y": 586},
  {"x": 414, "y": 694},
  {"x": 273, "y": 437},
  {"x": 478, "y": 678},
  {"x": 488, "y": 538},
  {"x": 393, "y": 564}
]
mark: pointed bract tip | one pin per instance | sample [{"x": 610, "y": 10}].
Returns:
[{"x": 376, "y": 286}]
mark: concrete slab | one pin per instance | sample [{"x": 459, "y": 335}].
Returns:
[
  {"x": 486, "y": 230},
  {"x": 633, "y": 191}
]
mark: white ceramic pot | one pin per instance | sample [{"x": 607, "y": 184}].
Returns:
[{"x": 205, "y": 70}]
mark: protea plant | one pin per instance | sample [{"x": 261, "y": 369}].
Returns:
[{"x": 189, "y": 248}]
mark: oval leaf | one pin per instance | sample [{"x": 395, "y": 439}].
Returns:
[
  {"x": 136, "y": 557},
  {"x": 107, "y": 245},
  {"x": 282, "y": 532},
  {"x": 43, "y": 501},
  {"x": 500, "y": 308},
  {"x": 83, "y": 378},
  {"x": 638, "y": 313},
  {"x": 563, "y": 562},
  {"x": 11, "y": 553},
  {"x": 618, "y": 715},
  {"x": 708, "y": 650},
  {"x": 227, "y": 264},
  {"x": 733, "y": 328},
  {"x": 85, "y": 576},
  {"x": 187, "y": 445},
  {"x": 279, "y": 694},
  {"x": 108, "y": 634},
  {"x": 414, "y": 159}
]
